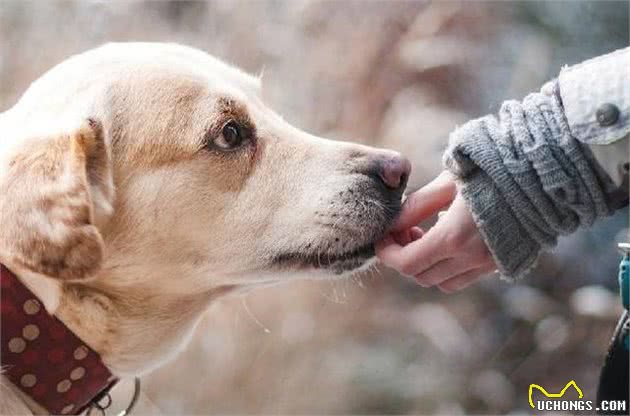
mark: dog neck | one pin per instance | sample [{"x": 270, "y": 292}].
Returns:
[
  {"x": 123, "y": 318},
  {"x": 43, "y": 357}
]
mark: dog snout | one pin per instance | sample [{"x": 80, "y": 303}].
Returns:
[{"x": 393, "y": 170}]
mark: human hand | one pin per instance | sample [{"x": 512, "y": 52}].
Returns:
[{"x": 452, "y": 254}]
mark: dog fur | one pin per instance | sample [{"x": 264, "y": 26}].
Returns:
[{"x": 120, "y": 213}]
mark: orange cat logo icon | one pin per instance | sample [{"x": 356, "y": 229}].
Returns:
[{"x": 553, "y": 395}]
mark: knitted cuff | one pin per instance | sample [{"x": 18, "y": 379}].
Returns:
[
  {"x": 525, "y": 179},
  {"x": 514, "y": 251}
]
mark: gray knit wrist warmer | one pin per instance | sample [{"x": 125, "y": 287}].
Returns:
[{"x": 526, "y": 179}]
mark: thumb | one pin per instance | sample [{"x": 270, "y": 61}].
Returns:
[{"x": 423, "y": 203}]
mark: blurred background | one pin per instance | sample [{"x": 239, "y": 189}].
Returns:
[{"x": 393, "y": 74}]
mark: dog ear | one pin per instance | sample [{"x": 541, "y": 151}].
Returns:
[{"x": 55, "y": 192}]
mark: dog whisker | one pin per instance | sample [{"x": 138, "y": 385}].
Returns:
[{"x": 251, "y": 315}]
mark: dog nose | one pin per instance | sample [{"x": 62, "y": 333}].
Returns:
[{"x": 394, "y": 171}]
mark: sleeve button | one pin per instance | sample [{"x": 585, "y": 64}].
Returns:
[{"x": 607, "y": 114}]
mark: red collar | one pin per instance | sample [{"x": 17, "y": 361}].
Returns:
[{"x": 42, "y": 357}]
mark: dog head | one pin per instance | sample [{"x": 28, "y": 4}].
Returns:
[
  {"x": 154, "y": 157},
  {"x": 141, "y": 181}
]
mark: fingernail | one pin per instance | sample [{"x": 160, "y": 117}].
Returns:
[{"x": 421, "y": 283}]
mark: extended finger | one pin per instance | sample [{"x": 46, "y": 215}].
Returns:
[
  {"x": 464, "y": 280},
  {"x": 440, "y": 272},
  {"x": 426, "y": 201},
  {"x": 415, "y": 256}
]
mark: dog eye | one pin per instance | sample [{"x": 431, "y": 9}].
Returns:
[{"x": 231, "y": 136}]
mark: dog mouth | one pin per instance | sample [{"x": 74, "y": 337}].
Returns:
[
  {"x": 350, "y": 226},
  {"x": 337, "y": 263}
]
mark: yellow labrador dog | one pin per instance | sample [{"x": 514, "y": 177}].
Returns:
[{"x": 139, "y": 182}]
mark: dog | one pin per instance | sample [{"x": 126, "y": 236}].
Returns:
[{"x": 140, "y": 182}]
